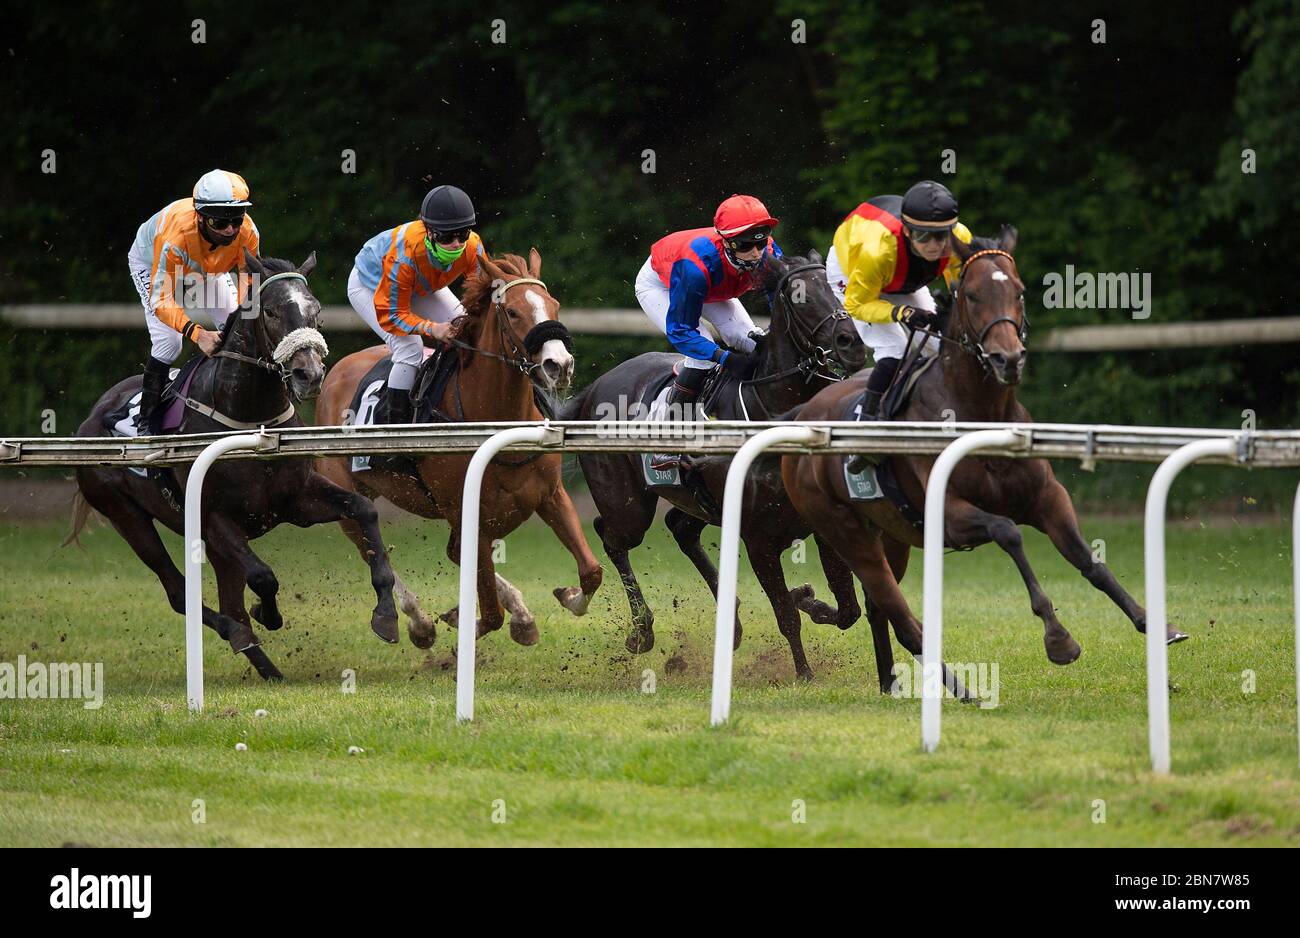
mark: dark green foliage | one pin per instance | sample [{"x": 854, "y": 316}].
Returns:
[{"x": 1123, "y": 156}]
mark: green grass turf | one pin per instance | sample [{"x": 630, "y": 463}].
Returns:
[{"x": 566, "y": 739}]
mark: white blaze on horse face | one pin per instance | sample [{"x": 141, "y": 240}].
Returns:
[{"x": 999, "y": 275}]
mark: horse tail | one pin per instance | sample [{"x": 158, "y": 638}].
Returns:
[{"x": 80, "y": 515}]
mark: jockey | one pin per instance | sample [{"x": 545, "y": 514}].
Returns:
[
  {"x": 399, "y": 286},
  {"x": 884, "y": 256},
  {"x": 698, "y": 273},
  {"x": 203, "y": 236}
]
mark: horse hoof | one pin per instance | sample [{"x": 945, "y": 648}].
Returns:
[
  {"x": 481, "y": 629},
  {"x": 422, "y": 631},
  {"x": 525, "y": 632},
  {"x": 639, "y": 641},
  {"x": 806, "y": 675},
  {"x": 572, "y": 598},
  {"x": 271, "y": 623},
  {"x": 242, "y": 639},
  {"x": 1062, "y": 652},
  {"x": 735, "y": 641},
  {"x": 1173, "y": 636},
  {"x": 385, "y": 626}
]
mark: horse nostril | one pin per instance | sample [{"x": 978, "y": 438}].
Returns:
[
  {"x": 998, "y": 360},
  {"x": 301, "y": 374},
  {"x": 551, "y": 367}
]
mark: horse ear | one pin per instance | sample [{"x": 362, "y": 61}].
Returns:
[
  {"x": 253, "y": 264},
  {"x": 815, "y": 257},
  {"x": 534, "y": 263},
  {"x": 491, "y": 269},
  {"x": 308, "y": 265},
  {"x": 1008, "y": 237},
  {"x": 961, "y": 248}
]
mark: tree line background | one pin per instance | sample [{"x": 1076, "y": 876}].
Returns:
[{"x": 1117, "y": 156}]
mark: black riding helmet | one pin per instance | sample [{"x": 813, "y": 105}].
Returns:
[
  {"x": 447, "y": 208},
  {"x": 929, "y": 205}
]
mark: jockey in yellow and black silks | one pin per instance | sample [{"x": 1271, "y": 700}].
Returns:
[{"x": 885, "y": 254}]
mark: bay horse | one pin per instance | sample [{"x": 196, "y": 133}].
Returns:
[
  {"x": 980, "y": 365},
  {"x": 267, "y": 355},
  {"x": 809, "y": 333},
  {"x": 508, "y": 312}
]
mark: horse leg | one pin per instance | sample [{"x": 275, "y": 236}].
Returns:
[
  {"x": 558, "y": 512},
  {"x": 230, "y": 596},
  {"x": 137, "y": 528},
  {"x": 320, "y": 501},
  {"x": 1054, "y": 515},
  {"x": 508, "y": 595},
  {"x": 686, "y": 530},
  {"x": 766, "y": 563},
  {"x": 618, "y": 542},
  {"x": 966, "y": 524},
  {"x": 839, "y": 578},
  {"x": 869, "y": 559}
]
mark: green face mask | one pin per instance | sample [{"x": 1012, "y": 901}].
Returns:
[{"x": 441, "y": 253}]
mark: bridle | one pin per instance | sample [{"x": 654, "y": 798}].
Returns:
[
  {"x": 277, "y": 362},
  {"x": 812, "y": 357},
  {"x": 539, "y": 335},
  {"x": 975, "y": 346},
  {"x": 290, "y": 344}
]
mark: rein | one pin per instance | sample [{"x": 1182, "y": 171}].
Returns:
[
  {"x": 813, "y": 357},
  {"x": 538, "y": 336},
  {"x": 975, "y": 346},
  {"x": 306, "y": 337}
]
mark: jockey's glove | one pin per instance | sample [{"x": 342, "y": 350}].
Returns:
[{"x": 740, "y": 364}]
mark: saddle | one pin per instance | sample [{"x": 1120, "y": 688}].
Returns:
[
  {"x": 172, "y": 401},
  {"x": 869, "y": 476}
]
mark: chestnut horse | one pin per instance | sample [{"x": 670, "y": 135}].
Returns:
[
  {"x": 981, "y": 362},
  {"x": 504, "y": 303}
]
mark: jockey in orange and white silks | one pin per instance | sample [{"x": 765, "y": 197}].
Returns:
[
  {"x": 698, "y": 274},
  {"x": 185, "y": 260},
  {"x": 884, "y": 256},
  {"x": 400, "y": 285}
]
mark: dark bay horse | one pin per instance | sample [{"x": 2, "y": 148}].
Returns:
[
  {"x": 809, "y": 334},
  {"x": 981, "y": 363},
  {"x": 508, "y": 311},
  {"x": 266, "y": 355}
]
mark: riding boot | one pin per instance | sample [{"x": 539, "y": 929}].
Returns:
[
  {"x": 679, "y": 403},
  {"x": 395, "y": 408},
  {"x": 148, "y": 421},
  {"x": 878, "y": 382}
]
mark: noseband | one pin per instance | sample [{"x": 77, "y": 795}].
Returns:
[
  {"x": 305, "y": 337},
  {"x": 976, "y": 346},
  {"x": 539, "y": 335}
]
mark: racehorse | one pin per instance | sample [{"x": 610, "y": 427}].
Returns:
[
  {"x": 265, "y": 357},
  {"x": 509, "y": 342},
  {"x": 809, "y": 335},
  {"x": 980, "y": 365}
]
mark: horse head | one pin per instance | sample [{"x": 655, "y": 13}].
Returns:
[
  {"x": 808, "y": 317},
  {"x": 285, "y": 320},
  {"x": 533, "y": 339},
  {"x": 988, "y": 312}
]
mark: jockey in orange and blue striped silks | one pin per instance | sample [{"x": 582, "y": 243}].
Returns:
[{"x": 399, "y": 285}]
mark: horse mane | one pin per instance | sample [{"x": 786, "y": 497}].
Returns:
[
  {"x": 277, "y": 265},
  {"x": 476, "y": 298}
]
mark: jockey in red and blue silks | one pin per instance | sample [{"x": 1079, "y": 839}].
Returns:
[{"x": 698, "y": 274}]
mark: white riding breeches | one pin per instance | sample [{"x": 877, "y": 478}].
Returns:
[
  {"x": 407, "y": 350},
  {"x": 727, "y": 316},
  {"x": 219, "y": 290}
]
